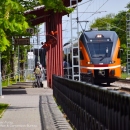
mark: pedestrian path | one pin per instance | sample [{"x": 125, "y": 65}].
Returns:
[
  {"x": 51, "y": 116},
  {"x": 31, "y": 109}
]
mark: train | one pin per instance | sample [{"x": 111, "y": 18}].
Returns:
[{"x": 99, "y": 53}]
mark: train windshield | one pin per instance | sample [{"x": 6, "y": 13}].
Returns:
[{"x": 99, "y": 50}]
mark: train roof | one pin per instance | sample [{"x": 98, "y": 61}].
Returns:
[
  {"x": 93, "y": 34},
  {"x": 68, "y": 45}
]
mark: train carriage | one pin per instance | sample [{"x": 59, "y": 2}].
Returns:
[{"x": 99, "y": 56}]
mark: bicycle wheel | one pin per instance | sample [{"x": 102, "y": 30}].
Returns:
[
  {"x": 38, "y": 82},
  {"x": 34, "y": 85}
]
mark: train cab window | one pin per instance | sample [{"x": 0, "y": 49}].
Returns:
[
  {"x": 81, "y": 56},
  {"x": 98, "y": 50}
]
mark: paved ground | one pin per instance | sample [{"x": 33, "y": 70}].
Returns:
[{"x": 28, "y": 110}]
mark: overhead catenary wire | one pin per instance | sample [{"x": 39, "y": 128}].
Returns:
[
  {"x": 66, "y": 27},
  {"x": 107, "y": 22},
  {"x": 87, "y": 8},
  {"x": 83, "y": 12},
  {"x": 79, "y": 4},
  {"x": 98, "y": 9},
  {"x": 95, "y": 11}
]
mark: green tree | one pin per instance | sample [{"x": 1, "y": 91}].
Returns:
[
  {"x": 128, "y": 5},
  {"x": 56, "y": 5},
  {"x": 119, "y": 26},
  {"x": 103, "y": 23},
  {"x": 14, "y": 23}
]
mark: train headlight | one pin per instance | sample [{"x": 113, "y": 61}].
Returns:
[
  {"x": 112, "y": 62},
  {"x": 90, "y": 62}
]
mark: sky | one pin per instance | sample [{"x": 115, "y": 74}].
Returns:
[{"x": 88, "y": 10}]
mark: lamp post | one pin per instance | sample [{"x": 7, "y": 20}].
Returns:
[
  {"x": 38, "y": 42},
  {"x": 18, "y": 64}
]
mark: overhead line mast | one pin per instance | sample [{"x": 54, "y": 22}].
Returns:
[
  {"x": 76, "y": 56},
  {"x": 74, "y": 19},
  {"x": 128, "y": 41}
]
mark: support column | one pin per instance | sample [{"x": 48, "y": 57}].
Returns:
[{"x": 55, "y": 55}]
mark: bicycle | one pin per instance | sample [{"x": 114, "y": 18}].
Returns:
[{"x": 36, "y": 83}]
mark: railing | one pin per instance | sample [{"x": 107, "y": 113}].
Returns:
[
  {"x": 90, "y": 107},
  {"x": 22, "y": 75}
]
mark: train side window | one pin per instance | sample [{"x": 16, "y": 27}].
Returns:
[
  {"x": 75, "y": 52},
  {"x": 81, "y": 56},
  {"x": 119, "y": 53}
]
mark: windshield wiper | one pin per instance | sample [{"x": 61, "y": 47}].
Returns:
[
  {"x": 103, "y": 58},
  {"x": 105, "y": 54}
]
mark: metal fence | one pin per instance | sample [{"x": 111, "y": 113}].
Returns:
[
  {"x": 90, "y": 107},
  {"x": 22, "y": 75}
]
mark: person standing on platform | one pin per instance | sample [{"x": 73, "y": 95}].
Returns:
[{"x": 37, "y": 72}]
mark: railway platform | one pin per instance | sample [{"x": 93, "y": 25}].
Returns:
[{"x": 31, "y": 109}]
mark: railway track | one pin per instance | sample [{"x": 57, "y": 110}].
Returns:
[
  {"x": 122, "y": 86},
  {"x": 124, "y": 81}
]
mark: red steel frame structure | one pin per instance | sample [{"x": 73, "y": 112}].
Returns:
[
  {"x": 53, "y": 44},
  {"x": 54, "y": 58}
]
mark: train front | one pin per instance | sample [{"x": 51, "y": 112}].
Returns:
[{"x": 100, "y": 56}]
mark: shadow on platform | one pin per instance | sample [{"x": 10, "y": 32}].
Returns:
[{"x": 8, "y": 91}]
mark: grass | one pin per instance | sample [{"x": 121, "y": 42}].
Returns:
[
  {"x": 2, "y": 108},
  {"x": 65, "y": 116},
  {"x": 124, "y": 76},
  {"x": 11, "y": 81},
  {"x": 5, "y": 82}
]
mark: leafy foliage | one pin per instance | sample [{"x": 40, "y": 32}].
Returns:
[
  {"x": 119, "y": 23},
  {"x": 2, "y": 108},
  {"x": 102, "y": 23},
  {"x": 12, "y": 21},
  {"x": 29, "y": 4},
  {"x": 128, "y": 6},
  {"x": 56, "y": 5}
]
